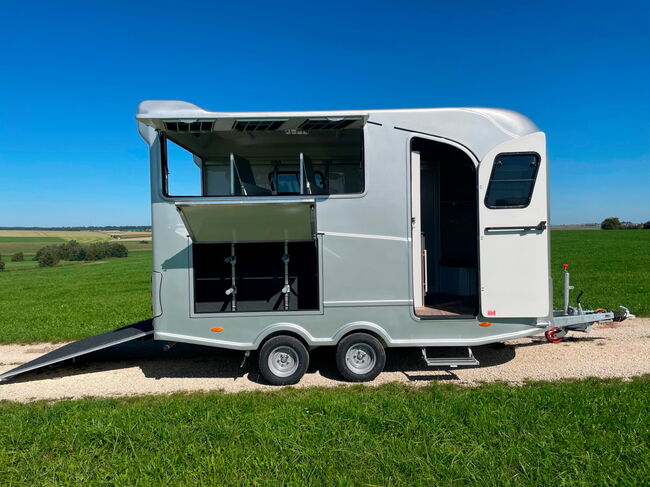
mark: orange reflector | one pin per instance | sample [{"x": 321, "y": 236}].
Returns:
[
  {"x": 216, "y": 328},
  {"x": 485, "y": 323}
]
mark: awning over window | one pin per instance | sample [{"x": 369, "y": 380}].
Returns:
[{"x": 249, "y": 222}]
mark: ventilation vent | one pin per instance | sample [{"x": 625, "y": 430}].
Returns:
[
  {"x": 191, "y": 127},
  {"x": 257, "y": 125},
  {"x": 326, "y": 123}
]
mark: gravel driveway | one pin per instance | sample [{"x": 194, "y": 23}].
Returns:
[{"x": 610, "y": 350}]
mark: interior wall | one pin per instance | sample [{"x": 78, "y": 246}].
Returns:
[
  {"x": 449, "y": 217},
  {"x": 429, "y": 179}
]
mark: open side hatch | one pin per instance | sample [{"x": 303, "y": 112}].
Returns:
[
  {"x": 253, "y": 256},
  {"x": 276, "y": 221}
]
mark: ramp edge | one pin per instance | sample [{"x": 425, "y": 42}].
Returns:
[{"x": 94, "y": 343}]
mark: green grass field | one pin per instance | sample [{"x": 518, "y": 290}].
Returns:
[
  {"x": 32, "y": 264},
  {"x": 587, "y": 433},
  {"x": 612, "y": 267},
  {"x": 71, "y": 302}
]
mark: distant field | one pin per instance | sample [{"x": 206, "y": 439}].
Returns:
[
  {"x": 4, "y": 238},
  {"x": 579, "y": 226},
  {"x": 122, "y": 236},
  {"x": 79, "y": 236},
  {"x": 30, "y": 241},
  {"x": 136, "y": 245}
]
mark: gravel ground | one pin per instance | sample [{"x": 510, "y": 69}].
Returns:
[{"x": 610, "y": 350}]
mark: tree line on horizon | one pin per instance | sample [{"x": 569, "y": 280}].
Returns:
[{"x": 613, "y": 223}]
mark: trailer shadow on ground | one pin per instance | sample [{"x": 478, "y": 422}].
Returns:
[{"x": 196, "y": 361}]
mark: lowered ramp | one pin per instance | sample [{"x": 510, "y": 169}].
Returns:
[{"x": 87, "y": 345}]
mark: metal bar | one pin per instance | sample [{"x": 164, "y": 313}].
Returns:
[
  {"x": 583, "y": 320},
  {"x": 302, "y": 173},
  {"x": 424, "y": 265},
  {"x": 232, "y": 174},
  {"x": 232, "y": 291},
  {"x": 567, "y": 290},
  {"x": 286, "y": 289}
]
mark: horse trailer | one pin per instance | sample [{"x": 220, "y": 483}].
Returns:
[{"x": 280, "y": 232}]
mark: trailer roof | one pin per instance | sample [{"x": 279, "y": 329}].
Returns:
[{"x": 478, "y": 128}]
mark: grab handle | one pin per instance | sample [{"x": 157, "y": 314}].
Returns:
[{"x": 540, "y": 227}]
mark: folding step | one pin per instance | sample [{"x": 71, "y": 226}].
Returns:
[{"x": 452, "y": 362}]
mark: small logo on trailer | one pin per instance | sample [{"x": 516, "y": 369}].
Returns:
[{"x": 492, "y": 312}]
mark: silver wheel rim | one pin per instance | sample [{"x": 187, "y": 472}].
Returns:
[
  {"x": 283, "y": 361},
  {"x": 360, "y": 358}
]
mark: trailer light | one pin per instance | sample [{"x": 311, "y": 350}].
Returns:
[
  {"x": 216, "y": 328},
  {"x": 485, "y": 323}
]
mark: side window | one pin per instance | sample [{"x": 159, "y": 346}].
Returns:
[
  {"x": 259, "y": 160},
  {"x": 512, "y": 181}
]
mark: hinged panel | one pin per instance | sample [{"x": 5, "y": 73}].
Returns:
[{"x": 249, "y": 222}]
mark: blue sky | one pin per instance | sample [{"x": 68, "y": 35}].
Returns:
[{"x": 73, "y": 73}]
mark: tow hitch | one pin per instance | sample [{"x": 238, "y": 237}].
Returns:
[{"x": 572, "y": 318}]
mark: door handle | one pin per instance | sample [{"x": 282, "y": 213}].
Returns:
[{"x": 540, "y": 227}]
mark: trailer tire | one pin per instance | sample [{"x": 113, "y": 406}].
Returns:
[
  {"x": 283, "y": 360},
  {"x": 360, "y": 357}
]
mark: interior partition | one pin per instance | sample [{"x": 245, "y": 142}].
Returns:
[{"x": 448, "y": 230}]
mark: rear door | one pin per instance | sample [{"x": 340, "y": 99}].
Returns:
[{"x": 513, "y": 230}]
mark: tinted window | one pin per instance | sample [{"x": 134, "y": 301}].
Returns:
[{"x": 512, "y": 181}]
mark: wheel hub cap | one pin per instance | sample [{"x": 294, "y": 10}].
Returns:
[
  {"x": 283, "y": 361},
  {"x": 360, "y": 358}
]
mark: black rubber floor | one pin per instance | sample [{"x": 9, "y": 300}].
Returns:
[{"x": 85, "y": 346}]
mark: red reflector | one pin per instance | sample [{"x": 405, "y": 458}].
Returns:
[{"x": 491, "y": 312}]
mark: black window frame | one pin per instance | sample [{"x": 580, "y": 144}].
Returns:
[{"x": 532, "y": 187}]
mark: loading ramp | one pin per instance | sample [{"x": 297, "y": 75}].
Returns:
[{"x": 88, "y": 345}]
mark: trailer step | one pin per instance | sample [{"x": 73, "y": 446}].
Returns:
[{"x": 452, "y": 362}]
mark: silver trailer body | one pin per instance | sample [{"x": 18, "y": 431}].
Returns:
[
  {"x": 361, "y": 229},
  {"x": 373, "y": 270}
]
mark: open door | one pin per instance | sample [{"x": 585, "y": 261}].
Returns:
[
  {"x": 416, "y": 225},
  {"x": 513, "y": 230}
]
